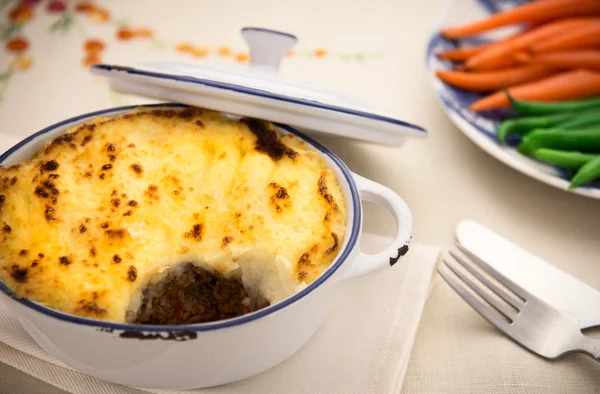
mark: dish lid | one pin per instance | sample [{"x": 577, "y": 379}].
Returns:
[{"x": 258, "y": 91}]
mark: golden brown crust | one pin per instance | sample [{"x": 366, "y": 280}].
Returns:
[{"x": 102, "y": 208}]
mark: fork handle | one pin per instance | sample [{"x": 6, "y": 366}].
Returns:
[{"x": 589, "y": 346}]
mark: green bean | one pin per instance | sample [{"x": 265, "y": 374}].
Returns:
[
  {"x": 522, "y": 126},
  {"x": 586, "y": 140},
  {"x": 588, "y": 118},
  {"x": 568, "y": 160},
  {"x": 523, "y": 107},
  {"x": 587, "y": 173}
]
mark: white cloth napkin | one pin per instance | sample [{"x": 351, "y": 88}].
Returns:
[{"x": 363, "y": 345}]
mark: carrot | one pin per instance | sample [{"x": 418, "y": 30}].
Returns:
[
  {"x": 569, "y": 85},
  {"x": 462, "y": 54},
  {"x": 583, "y": 37},
  {"x": 588, "y": 59},
  {"x": 534, "y": 12},
  {"x": 523, "y": 57},
  {"x": 494, "y": 80},
  {"x": 499, "y": 56}
]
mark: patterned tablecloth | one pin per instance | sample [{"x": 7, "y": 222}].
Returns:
[
  {"x": 49, "y": 45},
  {"x": 373, "y": 49}
]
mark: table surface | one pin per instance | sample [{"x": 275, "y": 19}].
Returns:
[{"x": 374, "y": 50}]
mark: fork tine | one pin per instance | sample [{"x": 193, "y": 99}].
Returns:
[
  {"x": 512, "y": 301},
  {"x": 515, "y": 288},
  {"x": 488, "y": 313},
  {"x": 477, "y": 288}
]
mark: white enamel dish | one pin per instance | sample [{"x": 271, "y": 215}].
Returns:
[
  {"x": 207, "y": 354},
  {"x": 481, "y": 129}
]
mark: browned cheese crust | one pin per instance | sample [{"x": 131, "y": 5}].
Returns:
[{"x": 101, "y": 209}]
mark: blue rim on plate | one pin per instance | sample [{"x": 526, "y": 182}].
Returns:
[
  {"x": 456, "y": 99},
  {"x": 352, "y": 240},
  {"x": 259, "y": 93}
]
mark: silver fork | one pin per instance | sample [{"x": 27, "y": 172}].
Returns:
[{"x": 520, "y": 315}]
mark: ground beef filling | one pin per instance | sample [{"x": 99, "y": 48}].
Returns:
[{"x": 195, "y": 295}]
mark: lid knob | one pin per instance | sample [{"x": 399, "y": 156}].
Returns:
[{"x": 267, "y": 47}]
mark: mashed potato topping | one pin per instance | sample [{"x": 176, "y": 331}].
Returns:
[{"x": 115, "y": 204}]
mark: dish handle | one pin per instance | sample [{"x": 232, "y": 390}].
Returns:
[
  {"x": 379, "y": 194},
  {"x": 267, "y": 47}
]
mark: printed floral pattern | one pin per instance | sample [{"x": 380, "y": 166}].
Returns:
[
  {"x": 200, "y": 51},
  {"x": 72, "y": 15},
  {"x": 15, "y": 44}
]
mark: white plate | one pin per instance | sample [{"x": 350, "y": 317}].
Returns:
[{"x": 482, "y": 130}]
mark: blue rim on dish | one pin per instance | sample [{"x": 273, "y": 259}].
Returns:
[
  {"x": 352, "y": 240},
  {"x": 277, "y": 32},
  {"x": 259, "y": 93}
]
